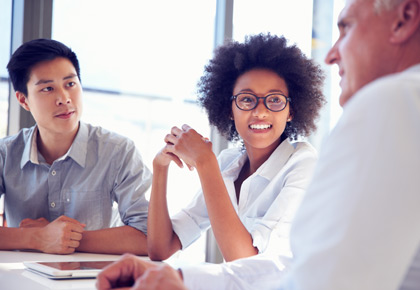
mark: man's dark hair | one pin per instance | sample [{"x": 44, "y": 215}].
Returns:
[{"x": 33, "y": 52}]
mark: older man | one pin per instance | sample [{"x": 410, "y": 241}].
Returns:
[{"x": 357, "y": 226}]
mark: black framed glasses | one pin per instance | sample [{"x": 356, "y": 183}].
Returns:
[{"x": 274, "y": 102}]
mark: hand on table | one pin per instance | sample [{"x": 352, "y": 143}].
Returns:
[
  {"x": 137, "y": 274},
  {"x": 61, "y": 236}
]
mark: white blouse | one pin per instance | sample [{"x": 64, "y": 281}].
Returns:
[{"x": 268, "y": 198}]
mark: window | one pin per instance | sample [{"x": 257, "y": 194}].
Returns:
[
  {"x": 140, "y": 62},
  {"x": 5, "y": 28},
  {"x": 276, "y": 17}
]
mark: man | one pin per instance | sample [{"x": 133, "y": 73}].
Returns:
[
  {"x": 61, "y": 177},
  {"x": 357, "y": 227}
]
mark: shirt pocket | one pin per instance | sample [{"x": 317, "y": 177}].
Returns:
[{"x": 91, "y": 207}]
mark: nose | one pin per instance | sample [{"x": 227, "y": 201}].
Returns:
[
  {"x": 332, "y": 55},
  {"x": 260, "y": 110},
  {"x": 62, "y": 97}
]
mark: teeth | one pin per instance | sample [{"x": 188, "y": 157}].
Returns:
[{"x": 260, "y": 127}]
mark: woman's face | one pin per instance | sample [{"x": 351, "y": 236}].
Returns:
[{"x": 260, "y": 128}]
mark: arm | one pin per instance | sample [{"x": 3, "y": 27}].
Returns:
[
  {"x": 161, "y": 239},
  {"x": 232, "y": 237},
  {"x": 118, "y": 240},
  {"x": 106, "y": 241},
  {"x": 62, "y": 236},
  {"x": 131, "y": 181},
  {"x": 259, "y": 272}
]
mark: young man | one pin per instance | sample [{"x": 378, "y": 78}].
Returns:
[
  {"x": 357, "y": 227},
  {"x": 61, "y": 177}
]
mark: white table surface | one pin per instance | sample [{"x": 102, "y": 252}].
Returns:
[{"x": 13, "y": 275}]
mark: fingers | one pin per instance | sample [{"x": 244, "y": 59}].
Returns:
[
  {"x": 122, "y": 272},
  {"x": 185, "y": 127},
  {"x": 159, "y": 278},
  {"x": 29, "y": 223},
  {"x": 72, "y": 224}
]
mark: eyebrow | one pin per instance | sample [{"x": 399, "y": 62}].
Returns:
[
  {"x": 269, "y": 92},
  {"x": 42, "y": 81}
]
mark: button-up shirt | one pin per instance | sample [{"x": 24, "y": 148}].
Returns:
[
  {"x": 100, "y": 168},
  {"x": 268, "y": 198}
]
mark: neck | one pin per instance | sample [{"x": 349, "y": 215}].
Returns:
[
  {"x": 257, "y": 156},
  {"x": 53, "y": 146}
]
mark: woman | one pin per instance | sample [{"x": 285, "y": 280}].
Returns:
[{"x": 265, "y": 94}]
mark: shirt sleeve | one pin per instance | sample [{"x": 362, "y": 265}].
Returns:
[
  {"x": 133, "y": 180},
  {"x": 191, "y": 221},
  {"x": 357, "y": 227},
  {"x": 257, "y": 272}
]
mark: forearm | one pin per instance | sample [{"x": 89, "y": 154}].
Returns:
[
  {"x": 18, "y": 238},
  {"x": 118, "y": 240},
  {"x": 162, "y": 241},
  {"x": 232, "y": 237}
]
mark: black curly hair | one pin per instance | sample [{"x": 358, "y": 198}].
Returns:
[{"x": 303, "y": 77}]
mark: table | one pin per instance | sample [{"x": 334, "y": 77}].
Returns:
[{"x": 13, "y": 275}]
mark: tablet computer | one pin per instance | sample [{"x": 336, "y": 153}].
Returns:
[{"x": 67, "y": 269}]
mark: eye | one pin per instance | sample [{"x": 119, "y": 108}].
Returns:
[
  {"x": 71, "y": 84},
  {"x": 276, "y": 99},
  {"x": 246, "y": 98},
  {"x": 47, "y": 89}
]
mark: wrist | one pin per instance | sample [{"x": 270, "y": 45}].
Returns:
[{"x": 206, "y": 161}]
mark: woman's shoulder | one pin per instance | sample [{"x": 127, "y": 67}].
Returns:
[{"x": 304, "y": 149}]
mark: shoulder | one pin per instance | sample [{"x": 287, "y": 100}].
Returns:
[
  {"x": 103, "y": 137},
  {"x": 229, "y": 156},
  {"x": 388, "y": 92},
  {"x": 303, "y": 154},
  {"x": 304, "y": 148},
  {"x": 17, "y": 141}
]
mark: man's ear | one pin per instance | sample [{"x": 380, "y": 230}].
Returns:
[
  {"x": 21, "y": 98},
  {"x": 407, "y": 22}
]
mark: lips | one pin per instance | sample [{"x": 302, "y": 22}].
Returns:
[{"x": 65, "y": 115}]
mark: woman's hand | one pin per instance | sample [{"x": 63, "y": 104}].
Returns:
[{"x": 188, "y": 145}]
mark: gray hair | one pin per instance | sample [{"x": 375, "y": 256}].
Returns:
[{"x": 381, "y": 5}]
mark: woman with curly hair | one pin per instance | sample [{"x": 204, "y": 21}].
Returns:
[{"x": 265, "y": 94}]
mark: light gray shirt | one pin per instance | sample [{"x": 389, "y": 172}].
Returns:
[{"x": 99, "y": 169}]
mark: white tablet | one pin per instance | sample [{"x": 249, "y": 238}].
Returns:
[{"x": 68, "y": 269}]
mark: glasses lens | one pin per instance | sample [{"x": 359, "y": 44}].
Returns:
[
  {"x": 246, "y": 101},
  {"x": 276, "y": 102}
]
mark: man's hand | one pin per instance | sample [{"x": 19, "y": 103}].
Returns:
[
  {"x": 130, "y": 271},
  {"x": 30, "y": 223},
  {"x": 62, "y": 236}
]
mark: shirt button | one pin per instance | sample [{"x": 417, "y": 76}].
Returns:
[
  {"x": 53, "y": 173},
  {"x": 52, "y": 204}
]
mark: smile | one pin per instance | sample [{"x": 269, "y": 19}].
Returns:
[{"x": 260, "y": 126}]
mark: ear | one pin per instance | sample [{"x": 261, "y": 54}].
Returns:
[
  {"x": 407, "y": 22},
  {"x": 21, "y": 98}
]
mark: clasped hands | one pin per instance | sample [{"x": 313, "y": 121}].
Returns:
[
  {"x": 184, "y": 145},
  {"x": 61, "y": 236}
]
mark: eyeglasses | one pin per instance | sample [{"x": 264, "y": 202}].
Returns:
[{"x": 274, "y": 102}]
